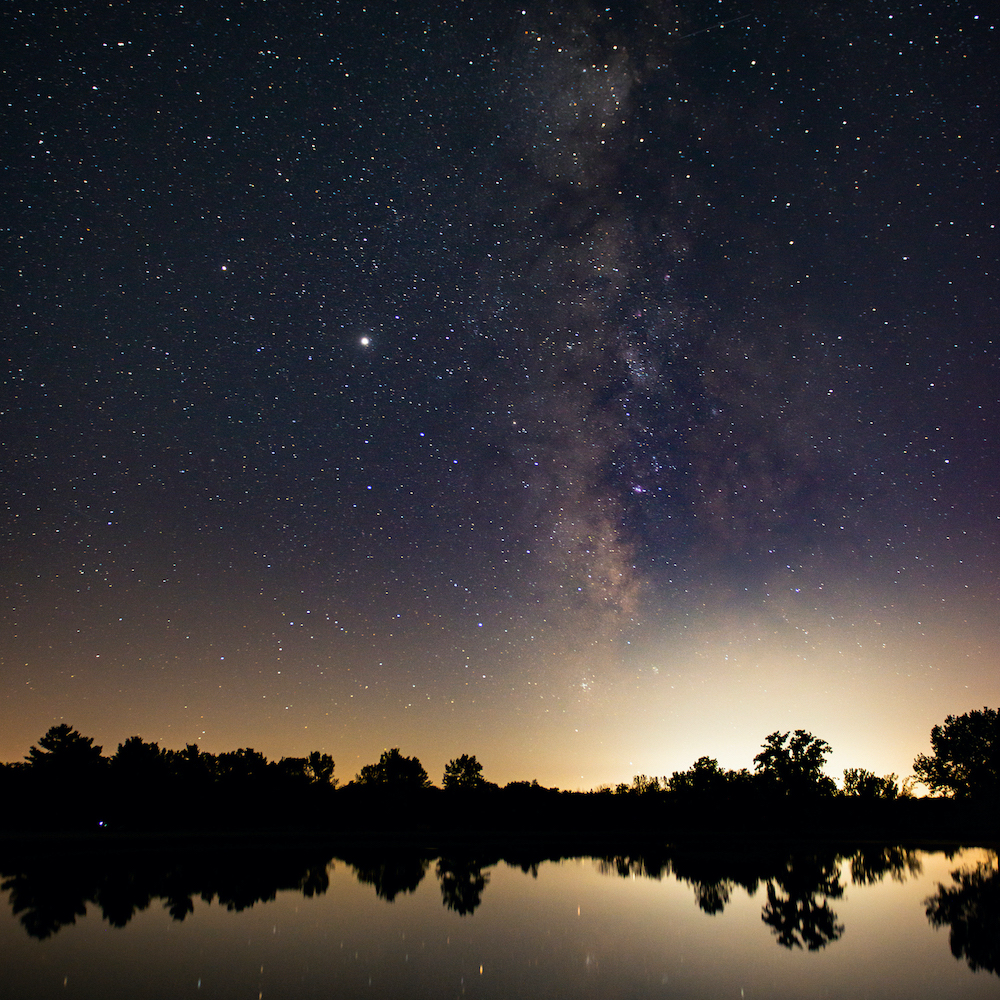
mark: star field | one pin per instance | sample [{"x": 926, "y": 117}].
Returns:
[{"x": 586, "y": 388}]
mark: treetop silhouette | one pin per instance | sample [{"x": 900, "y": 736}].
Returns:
[
  {"x": 394, "y": 771},
  {"x": 965, "y": 756}
]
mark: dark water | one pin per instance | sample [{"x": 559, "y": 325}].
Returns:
[{"x": 879, "y": 922}]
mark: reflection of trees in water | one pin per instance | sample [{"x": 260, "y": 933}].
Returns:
[
  {"x": 799, "y": 886},
  {"x": 971, "y": 909},
  {"x": 713, "y": 876},
  {"x": 797, "y": 908},
  {"x": 45, "y": 904},
  {"x": 528, "y": 858},
  {"x": 392, "y": 874},
  {"x": 49, "y": 893},
  {"x": 462, "y": 883},
  {"x": 713, "y": 897},
  {"x": 634, "y": 865},
  {"x": 871, "y": 864}
]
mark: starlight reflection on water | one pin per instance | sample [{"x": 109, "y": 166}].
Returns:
[{"x": 742, "y": 925}]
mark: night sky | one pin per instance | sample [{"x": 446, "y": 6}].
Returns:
[{"x": 585, "y": 387}]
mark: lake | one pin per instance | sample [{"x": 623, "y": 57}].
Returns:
[{"x": 267, "y": 923}]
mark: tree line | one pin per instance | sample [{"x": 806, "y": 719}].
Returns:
[{"x": 66, "y": 783}]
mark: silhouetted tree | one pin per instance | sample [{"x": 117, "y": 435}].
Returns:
[
  {"x": 142, "y": 786},
  {"x": 241, "y": 767},
  {"x": 294, "y": 772},
  {"x": 463, "y": 772},
  {"x": 703, "y": 777},
  {"x": 394, "y": 771},
  {"x": 192, "y": 765},
  {"x": 641, "y": 784},
  {"x": 868, "y": 785},
  {"x": 525, "y": 786},
  {"x": 320, "y": 768},
  {"x": 316, "y": 769},
  {"x": 965, "y": 757},
  {"x": 64, "y": 750},
  {"x": 137, "y": 760},
  {"x": 66, "y": 778},
  {"x": 793, "y": 762}
]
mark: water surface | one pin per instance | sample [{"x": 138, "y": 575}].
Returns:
[{"x": 256, "y": 924}]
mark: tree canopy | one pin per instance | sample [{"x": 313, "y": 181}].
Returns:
[
  {"x": 965, "y": 756},
  {"x": 65, "y": 783},
  {"x": 794, "y": 762},
  {"x": 64, "y": 750},
  {"x": 868, "y": 785},
  {"x": 463, "y": 772},
  {"x": 394, "y": 771}
]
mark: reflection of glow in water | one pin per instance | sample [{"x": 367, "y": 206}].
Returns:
[{"x": 534, "y": 924}]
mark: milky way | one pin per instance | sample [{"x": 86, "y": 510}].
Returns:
[{"x": 589, "y": 388}]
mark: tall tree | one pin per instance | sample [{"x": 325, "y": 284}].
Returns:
[
  {"x": 463, "y": 772},
  {"x": 137, "y": 759},
  {"x": 965, "y": 756},
  {"x": 65, "y": 750},
  {"x": 703, "y": 777},
  {"x": 394, "y": 771},
  {"x": 69, "y": 778},
  {"x": 794, "y": 763}
]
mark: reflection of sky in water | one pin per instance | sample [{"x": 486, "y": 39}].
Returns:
[{"x": 570, "y": 932}]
